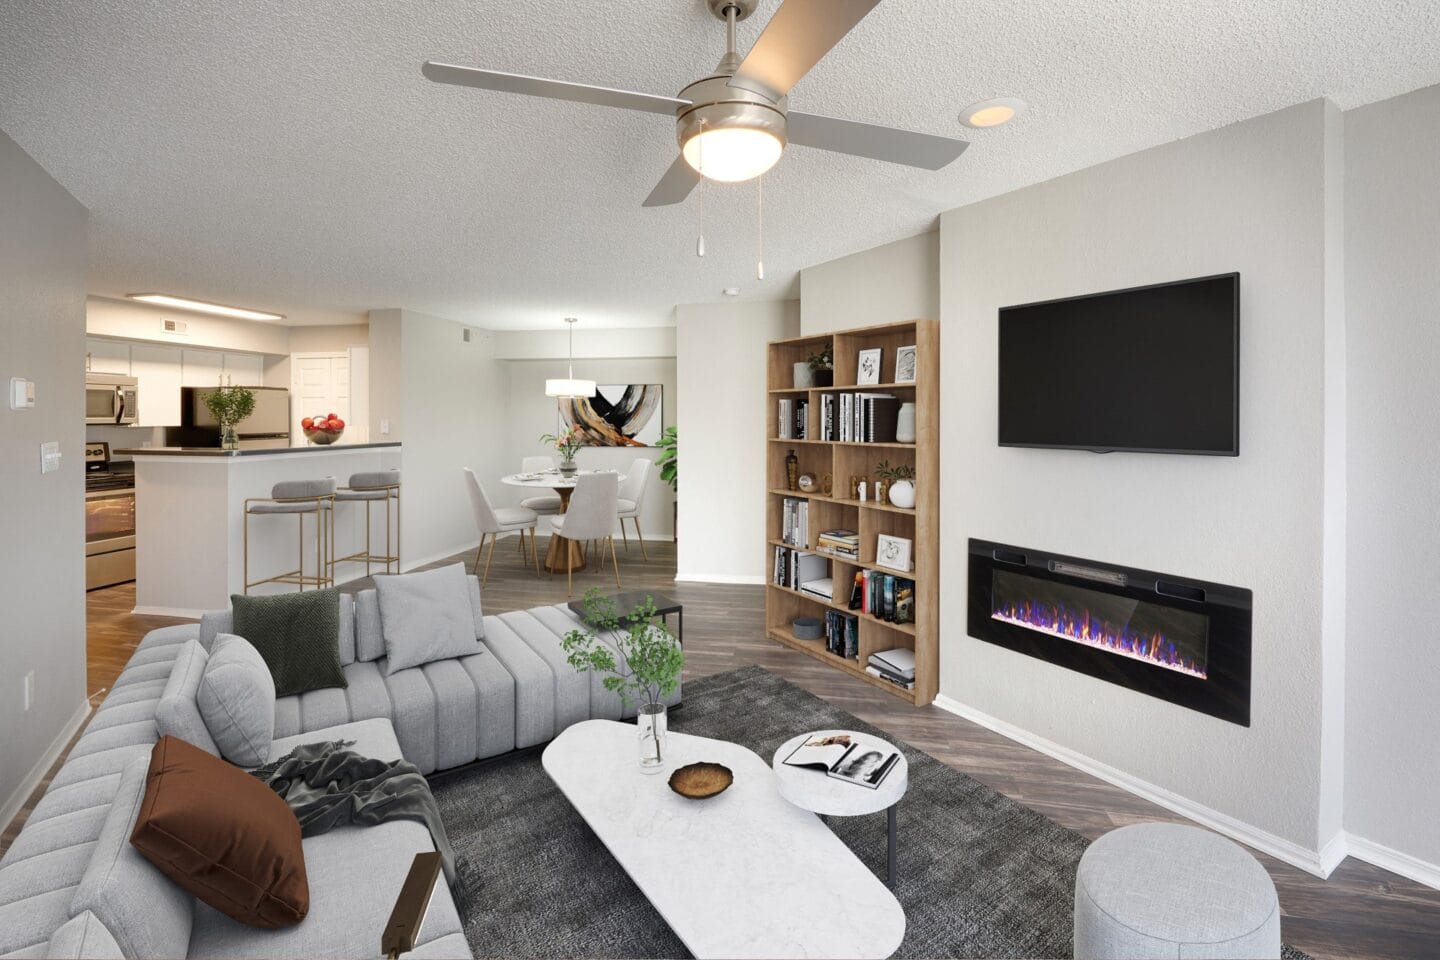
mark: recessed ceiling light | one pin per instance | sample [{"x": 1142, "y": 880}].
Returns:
[
  {"x": 731, "y": 291},
  {"x": 200, "y": 306},
  {"x": 992, "y": 113}
]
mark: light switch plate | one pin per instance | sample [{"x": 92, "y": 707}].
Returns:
[
  {"x": 384, "y": 428},
  {"x": 22, "y": 393},
  {"x": 49, "y": 456}
]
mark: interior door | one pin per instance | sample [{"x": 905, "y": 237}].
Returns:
[{"x": 320, "y": 385}]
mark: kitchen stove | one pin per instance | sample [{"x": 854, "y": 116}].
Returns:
[{"x": 109, "y": 518}]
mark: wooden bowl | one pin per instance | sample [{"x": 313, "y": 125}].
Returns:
[{"x": 700, "y": 780}]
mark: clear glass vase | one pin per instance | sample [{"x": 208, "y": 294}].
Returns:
[
  {"x": 228, "y": 440},
  {"x": 653, "y": 732}
]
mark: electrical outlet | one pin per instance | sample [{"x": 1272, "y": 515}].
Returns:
[
  {"x": 29, "y": 689},
  {"x": 384, "y": 428}
]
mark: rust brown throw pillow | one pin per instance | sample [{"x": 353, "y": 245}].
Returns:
[{"x": 223, "y": 835}]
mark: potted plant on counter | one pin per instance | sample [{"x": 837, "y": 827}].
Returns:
[
  {"x": 567, "y": 444},
  {"x": 229, "y": 404},
  {"x": 647, "y": 672}
]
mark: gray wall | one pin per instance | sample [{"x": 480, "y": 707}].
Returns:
[
  {"x": 897, "y": 281},
  {"x": 42, "y": 527},
  {"x": 1250, "y": 197},
  {"x": 1392, "y": 245}
]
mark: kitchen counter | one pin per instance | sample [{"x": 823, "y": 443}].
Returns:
[
  {"x": 271, "y": 452},
  {"x": 190, "y": 520}
]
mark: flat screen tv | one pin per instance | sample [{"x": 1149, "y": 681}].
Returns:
[{"x": 1153, "y": 369}]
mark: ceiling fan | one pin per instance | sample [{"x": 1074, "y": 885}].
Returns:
[{"x": 733, "y": 124}]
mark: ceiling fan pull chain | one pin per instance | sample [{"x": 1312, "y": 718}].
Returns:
[
  {"x": 700, "y": 201},
  {"x": 760, "y": 228}
]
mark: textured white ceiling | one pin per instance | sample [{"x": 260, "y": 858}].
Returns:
[{"x": 289, "y": 156}]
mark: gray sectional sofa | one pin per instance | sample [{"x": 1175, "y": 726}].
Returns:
[{"x": 72, "y": 886}]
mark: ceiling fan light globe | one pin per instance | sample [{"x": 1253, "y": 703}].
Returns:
[{"x": 732, "y": 154}]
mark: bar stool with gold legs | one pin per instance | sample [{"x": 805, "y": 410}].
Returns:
[
  {"x": 297, "y": 498},
  {"x": 369, "y": 489}
]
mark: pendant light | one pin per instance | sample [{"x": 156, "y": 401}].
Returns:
[{"x": 570, "y": 388}]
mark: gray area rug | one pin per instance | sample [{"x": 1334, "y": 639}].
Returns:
[{"x": 980, "y": 875}]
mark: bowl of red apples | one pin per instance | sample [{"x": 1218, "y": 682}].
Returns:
[{"x": 323, "y": 430}]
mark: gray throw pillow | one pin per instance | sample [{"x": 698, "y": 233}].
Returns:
[
  {"x": 237, "y": 700},
  {"x": 296, "y": 634},
  {"x": 426, "y": 617},
  {"x": 177, "y": 714}
]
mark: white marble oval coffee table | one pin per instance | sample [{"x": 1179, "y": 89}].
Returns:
[
  {"x": 812, "y": 790},
  {"x": 742, "y": 874}
]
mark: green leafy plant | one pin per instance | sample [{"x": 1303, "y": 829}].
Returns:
[
  {"x": 567, "y": 444},
  {"x": 669, "y": 467},
  {"x": 901, "y": 471},
  {"x": 651, "y": 659},
  {"x": 230, "y": 405},
  {"x": 823, "y": 359}
]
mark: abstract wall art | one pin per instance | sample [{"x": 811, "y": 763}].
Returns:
[{"x": 619, "y": 415}]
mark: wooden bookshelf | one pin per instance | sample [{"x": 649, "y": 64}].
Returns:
[{"x": 842, "y": 460}]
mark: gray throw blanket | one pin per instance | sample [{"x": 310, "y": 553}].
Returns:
[{"x": 329, "y": 786}]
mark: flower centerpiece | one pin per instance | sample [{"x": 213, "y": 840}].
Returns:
[
  {"x": 229, "y": 404},
  {"x": 648, "y": 669},
  {"x": 567, "y": 444}
]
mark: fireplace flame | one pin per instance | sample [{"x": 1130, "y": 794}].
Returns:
[{"x": 1079, "y": 627}]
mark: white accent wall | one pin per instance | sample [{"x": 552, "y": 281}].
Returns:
[
  {"x": 721, "y": 361},
  {"x": 1392, "y": 243},
  {"x": 897, "y": 281},
  {"x": 42, "y": 526}
]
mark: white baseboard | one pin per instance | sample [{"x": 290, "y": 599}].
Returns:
[
  {"x": 16, "y": 800},
  {"x": 728, "y": 578},
  {"x": 1388, "y": 858},
  {"x": 1319, "y": 863},
  {"x": 182, "y": 613}
]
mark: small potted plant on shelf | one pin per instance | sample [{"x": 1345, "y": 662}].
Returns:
[
  {"x": 648, "y": 670},
  {"x": 901, "y": 479},
  {"x": 567, "y": 444},
  {"x": 818, "y": 370},
  {"x": 229, "y": 404}
]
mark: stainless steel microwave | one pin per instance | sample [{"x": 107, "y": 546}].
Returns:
[{"x": 110, "y": 398}]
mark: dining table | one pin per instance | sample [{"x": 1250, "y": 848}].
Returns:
[{"x": 564, "y": 554}]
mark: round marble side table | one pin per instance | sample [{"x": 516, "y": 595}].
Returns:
[{"x": 810, "y": 789}]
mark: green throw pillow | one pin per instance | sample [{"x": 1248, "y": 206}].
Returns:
[{"x": 295, "y": 634}]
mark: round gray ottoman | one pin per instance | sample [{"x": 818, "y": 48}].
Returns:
[{"x": 1166, "y": 890}]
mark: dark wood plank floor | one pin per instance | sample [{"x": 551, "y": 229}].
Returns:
[{"x": 1360, "y": 912}]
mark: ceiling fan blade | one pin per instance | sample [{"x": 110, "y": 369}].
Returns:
[
  {"x": 876, "y": 142},
  {"x": 800, "y": 33},
  {"x": 675, "y": 186},
  {"x": 553, "y": 89}
]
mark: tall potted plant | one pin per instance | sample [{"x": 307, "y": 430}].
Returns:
[
  {"x": 567, "y": 444},
  {"x": 648, "y": 671},
  {"x": 670, "y": 473},
  {"x": 229, "y": 405}
]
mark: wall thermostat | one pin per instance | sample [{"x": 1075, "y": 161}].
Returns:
[{"x": 22, "y": 393}]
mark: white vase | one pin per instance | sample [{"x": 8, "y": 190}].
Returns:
[
  {"x": 902, "y": 494},
  {"x": 804, "y": 376},
  {"x": 653, "y": 738},
  {"x": 905, "y": 424}
]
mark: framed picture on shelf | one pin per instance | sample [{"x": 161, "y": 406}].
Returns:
[
  {"x": 905, "y": 364},
  {"x": 892, "y": 552},
  {"x": 869, "y": 369}
]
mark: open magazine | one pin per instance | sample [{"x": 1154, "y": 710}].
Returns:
[{"x": 845, "y": 758}]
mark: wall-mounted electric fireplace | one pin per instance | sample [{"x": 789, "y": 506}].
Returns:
[{"x": 1182, "y": 640}]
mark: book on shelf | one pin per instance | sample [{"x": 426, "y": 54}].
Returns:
[
  {"x": 842, "y": 634},
  {"x": 793, "y": 420},
  {"x": 899, "y": 661},
  {"x": 841, "y": 543},
  {"x": 795, "y": 521},
  {"x": 883, "y": 596},
  {"x": 795, "y": 568},
  {"x": 844, "y": 757},
  {"x": 859, "y": 417}
]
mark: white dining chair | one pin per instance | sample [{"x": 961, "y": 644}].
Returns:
[
  {"x": 547, "y": 504},
  {"x": 632, "y": 501},
  {"x": 591, "y": 516},
  {"x": 494, "y": 521}
]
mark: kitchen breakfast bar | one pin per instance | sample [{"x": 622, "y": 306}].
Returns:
[{"x": 190, "y": 520}]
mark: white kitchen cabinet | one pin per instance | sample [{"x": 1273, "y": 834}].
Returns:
[
  {"x": 245, "y": 369},
  {"x": 107, "y": 356},
  {"x": 159, "y": 370},
  {"x": 201, "y": 368}
]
